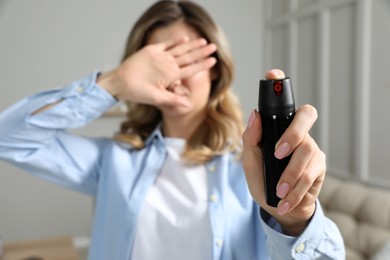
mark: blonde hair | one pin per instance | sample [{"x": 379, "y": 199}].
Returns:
[{"x": 222, "y": 127}]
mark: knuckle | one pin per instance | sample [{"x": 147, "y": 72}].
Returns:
[
  {"x": 322, "y": 156},
  {"x": 294, "y": 198},
  {"x": 245, "y": 137},
  {"x": 308, "y": 147},
  {"x": 289, "y": 176},
  {"x": 307, "y": 178},
  {"x": 295, "y": 135},
  {"x": 310, "y": 111}
]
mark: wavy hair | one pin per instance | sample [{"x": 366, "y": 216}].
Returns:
[{"x": 222, "y": 127}]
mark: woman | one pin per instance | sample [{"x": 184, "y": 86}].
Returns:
[{"x": 172, "y": 185}]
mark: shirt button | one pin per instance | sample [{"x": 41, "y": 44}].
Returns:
[
  {"x": 212, "y": 168},
  {"x": 300, "y": 248},
  {"x": 213, "y": 198},
  {"x": 80, "y": 89},
  {"x": 219, "y": 242}
]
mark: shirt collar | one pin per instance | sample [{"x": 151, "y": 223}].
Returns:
[{"x": 156, "y": 134}]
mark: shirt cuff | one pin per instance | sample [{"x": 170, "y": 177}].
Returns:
[{"x": 281, "y": 245}]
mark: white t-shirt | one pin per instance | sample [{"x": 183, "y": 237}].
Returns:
[{"x": 174, "y": 222}]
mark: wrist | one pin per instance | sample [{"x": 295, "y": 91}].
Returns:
[
  {"x": 110, "y": 82},
  {"x": 294, "y": 229},
  {"x": 294, "y": 226}
]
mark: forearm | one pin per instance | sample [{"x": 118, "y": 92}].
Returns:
[
  {"x": 45, "y": 113},
  {"x": 32, "y": 134},
  {"x": 108, "y": 81}
]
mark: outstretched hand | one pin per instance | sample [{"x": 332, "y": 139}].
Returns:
[
  {"x": 301, "y": 181},
  {"x": 145, "y": 76}
]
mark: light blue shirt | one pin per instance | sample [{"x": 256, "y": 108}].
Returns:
[{"x": 119, "y": 177}]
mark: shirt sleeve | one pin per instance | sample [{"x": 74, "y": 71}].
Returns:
[
  {"x": 39, "y": 143},
  {"x": 320, "y": 240}
]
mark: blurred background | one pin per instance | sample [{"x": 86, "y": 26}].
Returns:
[{"x": 335, "y": 51}]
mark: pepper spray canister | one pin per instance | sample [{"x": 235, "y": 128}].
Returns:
[{"x": 277, "y": 110}]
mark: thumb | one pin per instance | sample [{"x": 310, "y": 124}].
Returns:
[
  {"x": 275, "y": 74},
  {"x": 168, "y": 98}
]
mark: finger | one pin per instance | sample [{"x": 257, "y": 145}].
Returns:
[
  {"x": 297, "y": 165},
  {"x": 180, "y": 49},
  {"x": 196, "y": 54},
  {"x": 307, "y": 188},
  {"x": 303, "y": 121},
  {"x": 252, "y": 135},
  {"x": 167, "y": 45},
  {"x": 252, "y": 159},
  {"x": 275, "y": 74},
  {"x": 168, "y": 98},
  {"x": 196, "y": 67}
]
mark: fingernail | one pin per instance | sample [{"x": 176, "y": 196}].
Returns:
[
  {"x": 275, "y": 72},
  {"x": 283, "y": 208},
  {"x": 282, "y": 150},
  {"x": 282, "y": 190},
  {"x": 203, "y": 41},
  {"x": 213, "y": 46},
  {"x": 251, "y": 119}
]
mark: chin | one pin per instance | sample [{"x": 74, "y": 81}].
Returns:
[{"x": 177, "y": 110}]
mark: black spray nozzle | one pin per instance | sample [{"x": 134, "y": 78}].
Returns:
[{"x": 276, "y": 96}]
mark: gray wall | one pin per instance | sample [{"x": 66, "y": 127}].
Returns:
[
  {"x": 46, "y": 44},
  {"x": 337, "y": 53}
]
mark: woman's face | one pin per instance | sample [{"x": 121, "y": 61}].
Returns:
[{"x": 195, "y": 88}]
